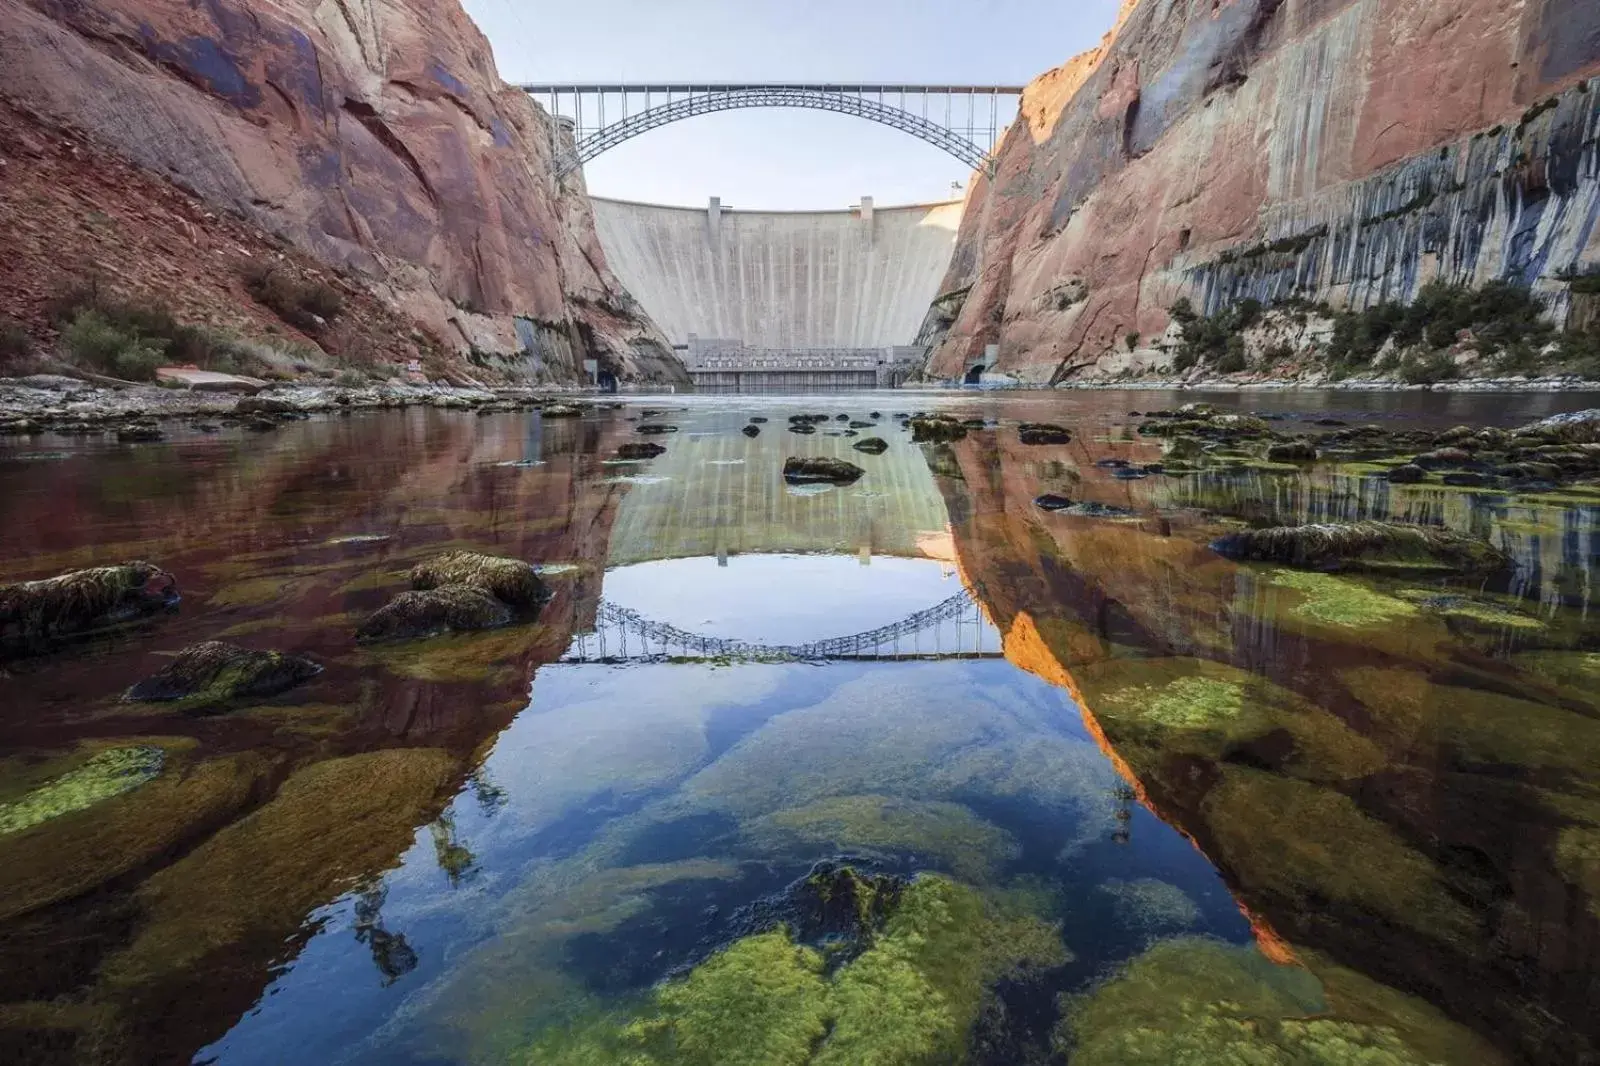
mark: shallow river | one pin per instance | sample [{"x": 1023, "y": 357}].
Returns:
[{"x": 1092, "y": 793}]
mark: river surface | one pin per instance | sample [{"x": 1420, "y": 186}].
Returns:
[{"x": 1136, "y": 802}]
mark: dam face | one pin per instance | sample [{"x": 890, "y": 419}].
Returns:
[{"x": 790, "y": 295}]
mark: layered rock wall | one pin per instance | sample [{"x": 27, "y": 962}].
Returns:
[
  {"x": 1339, "y": 150},
  {"x": 375, "y": 133}
]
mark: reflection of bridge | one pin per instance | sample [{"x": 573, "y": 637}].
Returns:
[
  {"x": 963, "y": 120},
  {"x": 954, "y": 629}
]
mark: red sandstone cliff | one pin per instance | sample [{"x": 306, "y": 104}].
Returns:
[
  {"x": 1347, "y": 150},
  {"x": 374, "y": 133}
]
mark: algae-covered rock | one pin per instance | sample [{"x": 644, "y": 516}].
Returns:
[
  {"x": 912, "y": 996},
  {"x": 639, "y": 449},
  {"x": 1330, "y": 546},
  {"x": 215, "y": 672},
  {"x": 1150, "y": 905},
  {"x": 106, "y": 774},
  {"x": 35, "y": 612},
  {"x": 1196, "y": 1002},
  {"x": 656, "y": 429},
  {"x": 1044, "y": 433},
  {"x": 950, "y": 833},
  {"x": 511, "y": 581},
  {"x": 820, "y": 470},
  {"x": 448, "y": 609},
  {"x": 871, "y": 445},
  {"x": 1408, "y": 474},
  {"x": 1294, "y": 451}
]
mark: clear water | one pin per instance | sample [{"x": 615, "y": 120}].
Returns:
[{"x": 478, "y": 849}]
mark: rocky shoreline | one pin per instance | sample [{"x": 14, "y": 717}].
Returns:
[{"x": 49, "y": 403}]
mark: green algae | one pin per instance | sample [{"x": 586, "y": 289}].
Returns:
[
  {"x": 1187, "y": 703},
  {"x": 105, "y": 775},
  {"x": 911, "y": 997},
  {"x": 252, "y": 592},
  {"x": 1339, "y": 601},
  {"x": 949, "y": 833},
  {"x": 1578, "y": 860},
  {"x": 1301, "y": 843},
  {"x": 1196, "y": 1002},
  {"x": 1148, "y": 904}
]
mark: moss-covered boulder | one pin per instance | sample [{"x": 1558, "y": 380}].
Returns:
[
  {"x": 820, "y": 470},
  {"x": 33, "y": 613},
  {"x": 447, "y": 609},
  {"x": 216, "y": 672},
  {"x": 511, "y": 581},
  {"x": 1333, "y": 546}
]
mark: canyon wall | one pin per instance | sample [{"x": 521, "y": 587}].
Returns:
[
  {"x": 374, "y": 133},
  {"x": 1339, "y": 150}
]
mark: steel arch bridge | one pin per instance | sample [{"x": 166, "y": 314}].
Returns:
[
  {"x": 955, "y": 628},
  {"x": 913, "y": 109}
]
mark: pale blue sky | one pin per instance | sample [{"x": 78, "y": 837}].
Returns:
[{"x": 784, "y": 159}]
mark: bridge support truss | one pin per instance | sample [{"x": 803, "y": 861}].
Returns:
[{"x": 962, "y": 120}]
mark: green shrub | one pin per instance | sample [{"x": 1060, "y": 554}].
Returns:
[
  {"x": 93, "y": 340},
  {"x": 305, "y": 305},
  {"x": 1428, "y": 369},
  {"x": 1183, "y": 311},
  {"x": 1500, "y": 314},
  {"x": 350, "y": 379},
  {"x": 1133, "y": 340},
  {"x": 1233, "y": 359}
]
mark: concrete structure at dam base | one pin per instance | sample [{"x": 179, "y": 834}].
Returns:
[
  {"x": 719, "y": 363},
  {"x": 785, "y": 299}
]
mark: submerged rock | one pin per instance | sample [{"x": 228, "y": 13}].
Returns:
[
  {"x": 140, "y": 432},
  {"x": 215, "y": 672},
  {"x": 871, "y": 445},
  {"x": 511, "y": 581},
  {"x": 103, "y": 776},
  {"x": 640, "y": 449},
  {"x": 758, "y": 419},
  {"x": 447, "y": 609},
  {"x": 562, "y": 410},
  {"x": 751, "y": 431},
  {"x": 656, "y": 429},
  {"x": 1044, "y": 433},
  {"x": 802, "y": 427},
  {"x": 1088, "y": 509},
  {"x": 819, "y": 469},
  {"x": 37, "y": 611},
  {"x": 1328, "y": 547}
]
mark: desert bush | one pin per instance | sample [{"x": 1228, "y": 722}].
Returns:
[
  {"x": 306, "y": 305},
  {"x": 94, "y": 341},
  {"x": 1428, "y": 369},
  {"x": 15, "y": 344}
]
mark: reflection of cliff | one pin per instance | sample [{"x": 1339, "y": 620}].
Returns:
[
  {"x": 725, "y": 494},
  {"x": 1407, "y": 795},
  {"x": 182, "y": 895}
]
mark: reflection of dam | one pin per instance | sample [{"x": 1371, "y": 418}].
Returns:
[
  {"x": 840, "y": 286},
  {"x": 723, "y": 494},
  {"x": 954, "y": 629}
]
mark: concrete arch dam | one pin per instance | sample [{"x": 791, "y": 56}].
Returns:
[{"x": 785, "y": 299}]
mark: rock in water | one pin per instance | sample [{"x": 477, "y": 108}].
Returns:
[
  {"x": 215, "y": 672},
  {"x": 640, "y": 449},
  {"x": 447, "y": 609},
  {"x": 1044, "y": 433},
  {"x": 1410, "y": 474},
  {"x": 820, "y": 469},
  {"x": 656, "y": 429},
  {"x": 1294, "y": 451},
  {"x": 1330, "y": 547},
  {"x": 871, "y": 445},
  {"x": 936, "y": 430},
  {"x": 751, "y": 431},
  {"x": 512, "y": 581},
  {"x": 37, "y": 611}
]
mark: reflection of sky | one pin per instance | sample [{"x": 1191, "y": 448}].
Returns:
[
  {"x": 787, "y": 599},
  {"x": 612, "y": 762}
]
